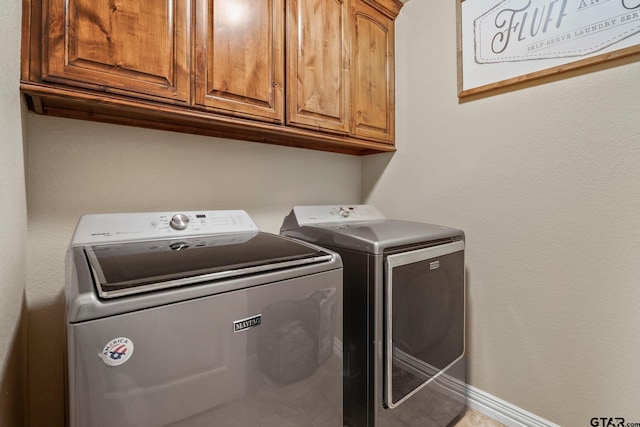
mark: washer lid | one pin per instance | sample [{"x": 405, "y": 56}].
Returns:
[{"x": 127, "y": 268}]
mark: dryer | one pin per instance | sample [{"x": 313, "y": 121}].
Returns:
[
  {"x": 404, "y": 313},
  {"x": 198, "y": 318}
]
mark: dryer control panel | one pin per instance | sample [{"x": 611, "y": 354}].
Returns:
[
  {"x": 122, "y": 227},
  {"x": 308, "y": 215}
]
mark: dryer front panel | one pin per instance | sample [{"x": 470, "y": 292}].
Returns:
[{"x": 424, "y": 306}]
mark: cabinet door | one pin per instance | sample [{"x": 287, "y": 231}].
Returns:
[
  {"x": 239, "y": 66},
  {"x": 372, "y": 74},
  {"x": 317, "y": 64},
  {"x": 122, "y": 46}
]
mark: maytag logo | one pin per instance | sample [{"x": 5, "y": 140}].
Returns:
[
  {"x": 433, "y": 265},
  {"x": 248, "y": 323}
]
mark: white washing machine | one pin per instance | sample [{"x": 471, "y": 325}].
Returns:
[
  {"x": 200, "y": 319},
  {"x": 404, "y": 313}
]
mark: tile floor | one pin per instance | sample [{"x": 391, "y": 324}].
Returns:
[{"x": 473, "y": 418}]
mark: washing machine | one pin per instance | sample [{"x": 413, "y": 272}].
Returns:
[
  {"x": 404, "y": 313},
  {"x": 200, "y": 319}
]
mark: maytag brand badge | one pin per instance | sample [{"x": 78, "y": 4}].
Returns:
[
  {"x": 117, "y": 351},
  {"x": 433, "y": 265},
  {"x": 248, "y": 323}
]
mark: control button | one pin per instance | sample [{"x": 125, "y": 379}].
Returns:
[
  {"x": 179, "y": 222},
  {"x": 178, "y": 246}
]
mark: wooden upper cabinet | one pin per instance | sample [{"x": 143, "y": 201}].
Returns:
[
  {"x": 315, "y": 74},
  {"x": 239, "y": 58},
  {"x": 139, "y": 46},
  {"x": 372, "y": 74},
  {"x": 317, "y": 64}
]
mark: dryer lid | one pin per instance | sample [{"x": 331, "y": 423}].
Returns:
[
  {"x": 132, "y": 267},
  {"x": 360, "y": 228}
]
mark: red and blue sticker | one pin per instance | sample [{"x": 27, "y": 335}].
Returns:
[{"x": 117, "y": 351}]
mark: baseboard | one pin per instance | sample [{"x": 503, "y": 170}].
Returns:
[
  {"x": 483, "y": 402},
  {"x": 502, "y": 411}
]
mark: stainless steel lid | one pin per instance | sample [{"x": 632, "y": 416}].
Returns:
[
  {"x": 127, "y": 268},
  {"x": 360, "y": 228}
]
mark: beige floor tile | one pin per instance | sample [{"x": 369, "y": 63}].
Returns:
[{"x": 472, "y": 418}]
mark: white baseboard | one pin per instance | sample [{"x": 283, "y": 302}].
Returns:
[
  {"x": 502, "y": 411},
  {"x": 483, "y": 402}
]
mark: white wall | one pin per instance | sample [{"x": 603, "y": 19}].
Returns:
[
  {"x": 78, "y": 167},
  {"x": 545, "y": 181},
  {"x": 14, "y": 218}
]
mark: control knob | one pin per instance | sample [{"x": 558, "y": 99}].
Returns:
[{"x": 179, "y": 222}]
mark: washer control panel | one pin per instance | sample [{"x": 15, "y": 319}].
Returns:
[
  {"x": 122, "y": 227},
  {"x": 307, "y": 215}
]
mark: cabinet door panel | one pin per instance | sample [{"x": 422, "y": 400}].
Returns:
[
  {"x": 239, "y": 57},
  {"x": 372, "y": 71},
  {"x": 317, "y": 64},
  {"x": 119, "y": 45}
]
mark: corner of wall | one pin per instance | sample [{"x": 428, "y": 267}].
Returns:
[{"x": 13, "y": 381}]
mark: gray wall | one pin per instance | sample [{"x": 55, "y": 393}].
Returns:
[
  {"x": 545, "y": 183},
  {"x": 13, "y": 233}
]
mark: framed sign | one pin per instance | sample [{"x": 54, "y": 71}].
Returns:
[{"x": 503, "y": 42}]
